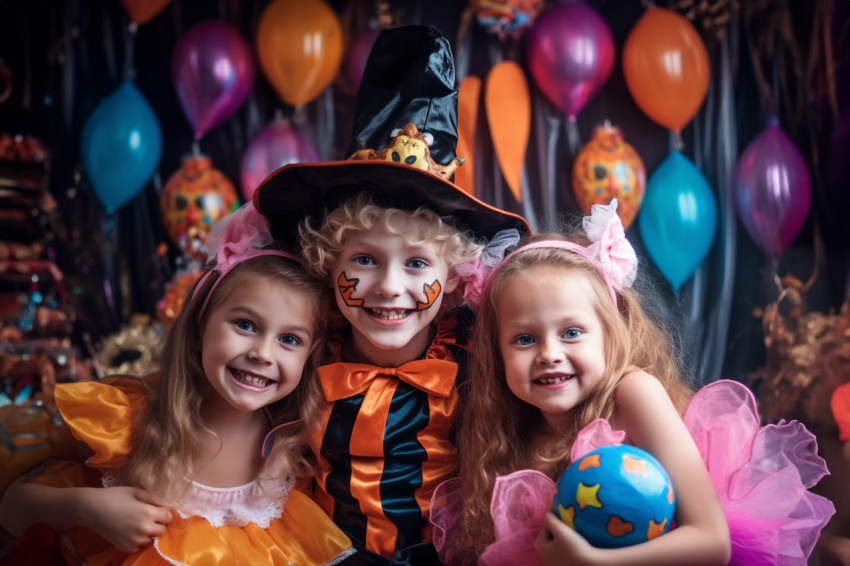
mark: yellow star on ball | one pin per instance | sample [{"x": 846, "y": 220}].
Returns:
[{"x": 587, "y": 496}]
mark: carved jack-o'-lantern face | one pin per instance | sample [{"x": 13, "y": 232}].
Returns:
[{"x": 194, "y": 197}]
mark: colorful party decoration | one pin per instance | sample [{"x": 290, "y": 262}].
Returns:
[
  {"x": 666, "y": 67},
  {"x": 212, "y": 68},
  {"x": 616, "y": 496},
  {"x": 608, "y": 167},
  {"x": 772, "y": 189},
  {"x": 468, "y": 101},
  {"x": 171, "y": 303},
  {"x": 194, "y": 197},
  {"x": 508, "y": 103},
  {"x": 299, "y": 45},
  {"x": 143, "y": 11},
  {"x": 120, "y": 147},
  {"x": 276, "y": 145},
  {"x": 506, "y": 17},
  {"x": 570, "y": 52},
  {"x": 678, "y": 218}
]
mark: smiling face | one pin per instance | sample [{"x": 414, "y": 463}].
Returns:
[
  {"x": 551, "y": 339},
  {"x": 390, "y": 290},
  {"x": 257, "y": 340}
]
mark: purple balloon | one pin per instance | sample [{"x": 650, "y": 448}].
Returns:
[
  {"x": 276, "y": 145},
  {"x": 772, "y": 190},
  {"x": 212, "y": 69},
  {"x": 571, "y": 54}
]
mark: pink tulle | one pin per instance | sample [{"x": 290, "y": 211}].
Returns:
[{"x": 761, "y": 474}]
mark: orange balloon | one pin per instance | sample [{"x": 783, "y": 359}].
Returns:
[
  {"x": 299, "y": 45},
  {"x": 143, "y": 11},
  {"x": 666, "y": 67}
]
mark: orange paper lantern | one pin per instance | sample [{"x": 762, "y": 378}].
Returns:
[
  {"x": 608, "y": 167},
  {"x": 195, "y": 196}
]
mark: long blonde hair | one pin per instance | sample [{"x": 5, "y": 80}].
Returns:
[
  {"x": 165, "y": 442},
  {"x": 495, "y": 425}
]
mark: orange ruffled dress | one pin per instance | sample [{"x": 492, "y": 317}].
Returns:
[{"x": 218, "y": 526}]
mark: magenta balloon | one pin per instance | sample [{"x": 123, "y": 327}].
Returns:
[
  {"x": 773, "y": 190},
  {"x": 212, "y": 69},
  {"x": 570, "y": 52},
  {"x": 276, "y": 145}
]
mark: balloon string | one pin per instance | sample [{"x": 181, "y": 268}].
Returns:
[
  {"x": 299, "y": 116},
  {"x": 678, "y": 142},
  {"x": 573, "y": 137},
  {"x": 129, "y": 44},
  {"x": 196, "y": 148}
]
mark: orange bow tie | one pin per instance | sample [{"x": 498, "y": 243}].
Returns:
[{"x": 343, "y": 379}]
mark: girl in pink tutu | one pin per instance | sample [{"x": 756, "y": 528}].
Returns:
[{"x": 565, "y": 360}]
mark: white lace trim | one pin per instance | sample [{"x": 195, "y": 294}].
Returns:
[{"x": 221, "y": 506}]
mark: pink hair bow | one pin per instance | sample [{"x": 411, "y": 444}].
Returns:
[
  {"x": 476, "y": 274},
  {"x": 611, "y": 251},
  {"x": 235, "y": 238}
]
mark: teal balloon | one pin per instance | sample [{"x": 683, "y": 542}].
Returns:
[
  {"x": 678, "y": 218},
  {"x": 121, "y": 146}
]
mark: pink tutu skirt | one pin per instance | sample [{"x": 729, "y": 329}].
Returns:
[{"x": 762, "y": 476}]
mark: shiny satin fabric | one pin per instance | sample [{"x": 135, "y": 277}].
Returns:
[
  {"x": 385, "y": 445},
  {"x": 101, "y": 414}
]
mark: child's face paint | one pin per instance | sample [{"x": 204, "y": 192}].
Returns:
[{"x": 390, "y": 291}]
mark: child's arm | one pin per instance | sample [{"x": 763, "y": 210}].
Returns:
[
  {"x": 125, "y": 516},
  {"x": 646, "y": 414}
]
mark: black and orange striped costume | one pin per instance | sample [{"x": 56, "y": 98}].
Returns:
[{"x": 386, "y": 443}]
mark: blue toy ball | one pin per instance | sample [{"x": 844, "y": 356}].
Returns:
[{"x": 616, "y": 496}]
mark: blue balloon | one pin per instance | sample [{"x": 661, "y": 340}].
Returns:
[
  {"x": 678, "y": 218},
  {"x": 121, "y": 146}
]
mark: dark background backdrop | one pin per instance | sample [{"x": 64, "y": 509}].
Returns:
[{"x": 65, "y": 57}]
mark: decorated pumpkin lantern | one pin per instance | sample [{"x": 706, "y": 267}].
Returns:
[
  {"x": 505, "y": 17},
  {"x": 608, "y": 167},
  {"x": 195, "y": 196}
]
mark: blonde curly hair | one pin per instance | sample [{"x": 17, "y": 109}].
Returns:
[{"x": 322, "y": 245}]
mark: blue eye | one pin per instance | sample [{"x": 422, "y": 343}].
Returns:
[
  {"x": 289, "y": 340},
  {"x": 416, "y": 264},
  {"x": 244, "y": 324},
  {"x": 572, "y": 333},
  {"x": 364, "y": 260},
  {"x": 524, "y": 340}
]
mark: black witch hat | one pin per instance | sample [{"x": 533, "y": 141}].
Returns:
[{"x": 407, "y": 105}]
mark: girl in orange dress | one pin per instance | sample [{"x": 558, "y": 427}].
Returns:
[{"x": 198, "y": 464}]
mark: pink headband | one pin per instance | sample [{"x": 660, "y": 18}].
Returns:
[
  {"x": 610, "y": 252},
  {"x": 238, "y": 237}
]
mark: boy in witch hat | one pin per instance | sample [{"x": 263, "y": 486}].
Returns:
[{"x": 387, "y": 228}]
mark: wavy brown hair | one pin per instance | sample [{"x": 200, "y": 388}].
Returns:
[
  {"x": 165, "y": 442},
  {"x": 495, "y": 426}
]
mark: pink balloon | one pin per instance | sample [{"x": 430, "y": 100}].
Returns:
[
  {"x": 570, "y": 54},
  {"x": 212, "y": 69},
  {"x": 772, "y": 190},
  {"x": 276, "y": 145}
]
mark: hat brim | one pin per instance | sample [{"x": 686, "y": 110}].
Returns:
[{"x": 301, "y": 190}]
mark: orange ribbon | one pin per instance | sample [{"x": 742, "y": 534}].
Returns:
[{"x": 343, "y": 379}]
